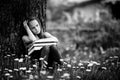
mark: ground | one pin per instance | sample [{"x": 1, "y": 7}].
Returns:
[{"x": 74, "y": 68}]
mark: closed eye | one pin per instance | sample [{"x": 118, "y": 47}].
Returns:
[
  {"x": 33, "y": 28},
  {"x": 37, "y": 25}
]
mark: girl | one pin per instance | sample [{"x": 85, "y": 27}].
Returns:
[{"x": 34, "y": 31}]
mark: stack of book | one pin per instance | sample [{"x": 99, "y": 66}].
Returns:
[{"x": 37, "y": 45}]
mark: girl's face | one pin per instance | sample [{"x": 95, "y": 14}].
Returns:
[{"x": 35, "y": 26}]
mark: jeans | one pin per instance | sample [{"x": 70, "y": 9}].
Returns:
[{"x": 50, "y": 52}]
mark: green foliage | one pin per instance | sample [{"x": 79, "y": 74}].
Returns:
[
  {"x": 14, "y": 68},
  {"x": 105, "y": 33}
]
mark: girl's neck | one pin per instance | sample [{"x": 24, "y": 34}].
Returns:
[{"x": 37, "y": 36}]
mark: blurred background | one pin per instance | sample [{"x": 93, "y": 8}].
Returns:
[
  {"x": 88, "y": 33},
  {"x": 86, "y": 29},
  {"x": 91, "y": 26}
]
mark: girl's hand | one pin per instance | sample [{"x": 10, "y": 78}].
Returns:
[
  {"x": 31, "y": 36},
  {"x": 25, "y": 24}
]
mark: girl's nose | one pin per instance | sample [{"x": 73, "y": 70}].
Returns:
[{"x": 36, "y": 28}]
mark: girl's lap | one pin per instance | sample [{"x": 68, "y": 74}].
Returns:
[{"x": 40, "y": 53}]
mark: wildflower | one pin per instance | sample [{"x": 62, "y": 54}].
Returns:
[
  {"x": 104, "y": 62},
  {"x": 85, "y": 61},
  {"x": 41, "y": 59},
  {"x": 10, "y": 70},
  {"x": 65, "y": 63},
  {"x": 67, "y": 48},
  {"x": 63, "y": 68},
  {"x": 36, "y": 77},
  {"x": 22, "y": 68},
  {"x": 50, "y": 67},
  {"x": 16, "y": 70},
  {"x": 88, "y": 70},
  {"x": 95, "y": 63},
  {"x": 104, "y": 68},
  {"x": 50, "y": 77},
  {"x": 69, "y": 65},
  {"x": 28, "y": 71},
  {"x": 59, "y": 69},
  {"x": 8, "y": 55},
  {"x": 35, "y": 66},
  {"x": 82, "y": 67},
  {"x": 85, "y": 48},
  {"x": 6, "y": 69},
  {"x": 78, "y": 77},
  {"x": 26, "y": 55},
  {"x": 85, "y": 53},
  {"x": 66, "y": 75},
  {"x": 21, "y": 60},
  {"x": 43, "y": 72},
  {"x": 73, "y": 67},
  {"x": 44, "y": 65},
  {"x": 77, "y": 67},
  {"x": 61, "y": 60},
  {"x": 111, "y": 57},
  {"x": 16, "y": 59},
  {"x": 116, "y": 57},
  {"x": 90, "y": 64},
  {"x": 90, "y": 56},
  {"x": 67, "y": 57},
  {"x": 107, "y": 61},
  {"x": 118, "y": 63},
  {"x": 11, "y": 76},
  {"x": 31, "y": 77},
  {"x": 74, "y": 61},
  {"x": 102, "y": 50},
  {"x": 61, "y": 79},
  {"x": 45, "y": 62},
  {"x": 113, "y": 63},
  {"x": 80, "y": 64},
  {"x": 7, "y": 74},
  {"x": 13, "y": 54},
  {"x": 30, "y": 68}
]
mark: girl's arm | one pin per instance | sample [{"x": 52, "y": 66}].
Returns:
[
  {"x": 48, "y": 37},
  {"x": 30, "y": 37}
]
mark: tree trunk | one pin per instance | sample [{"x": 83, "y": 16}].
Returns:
[{"x": 12, "y": 15}]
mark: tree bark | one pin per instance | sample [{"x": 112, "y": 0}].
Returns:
[{"x": 12, "y": 15}]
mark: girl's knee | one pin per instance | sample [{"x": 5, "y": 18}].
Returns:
[{"x": 53, "y": 47}]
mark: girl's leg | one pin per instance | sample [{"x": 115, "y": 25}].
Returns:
[
  {"x": 35, "y": 56},
  {"x": 53, "y": 56},
  {"x": 39, "y": 54}
]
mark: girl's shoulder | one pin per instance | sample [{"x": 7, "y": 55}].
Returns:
[{"x": 47, "y": 34}]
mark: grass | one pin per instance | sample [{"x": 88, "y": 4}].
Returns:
[{"x": 107, "y": 67}]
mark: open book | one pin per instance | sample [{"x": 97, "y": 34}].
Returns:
[{"x": 38, "y": 44}]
